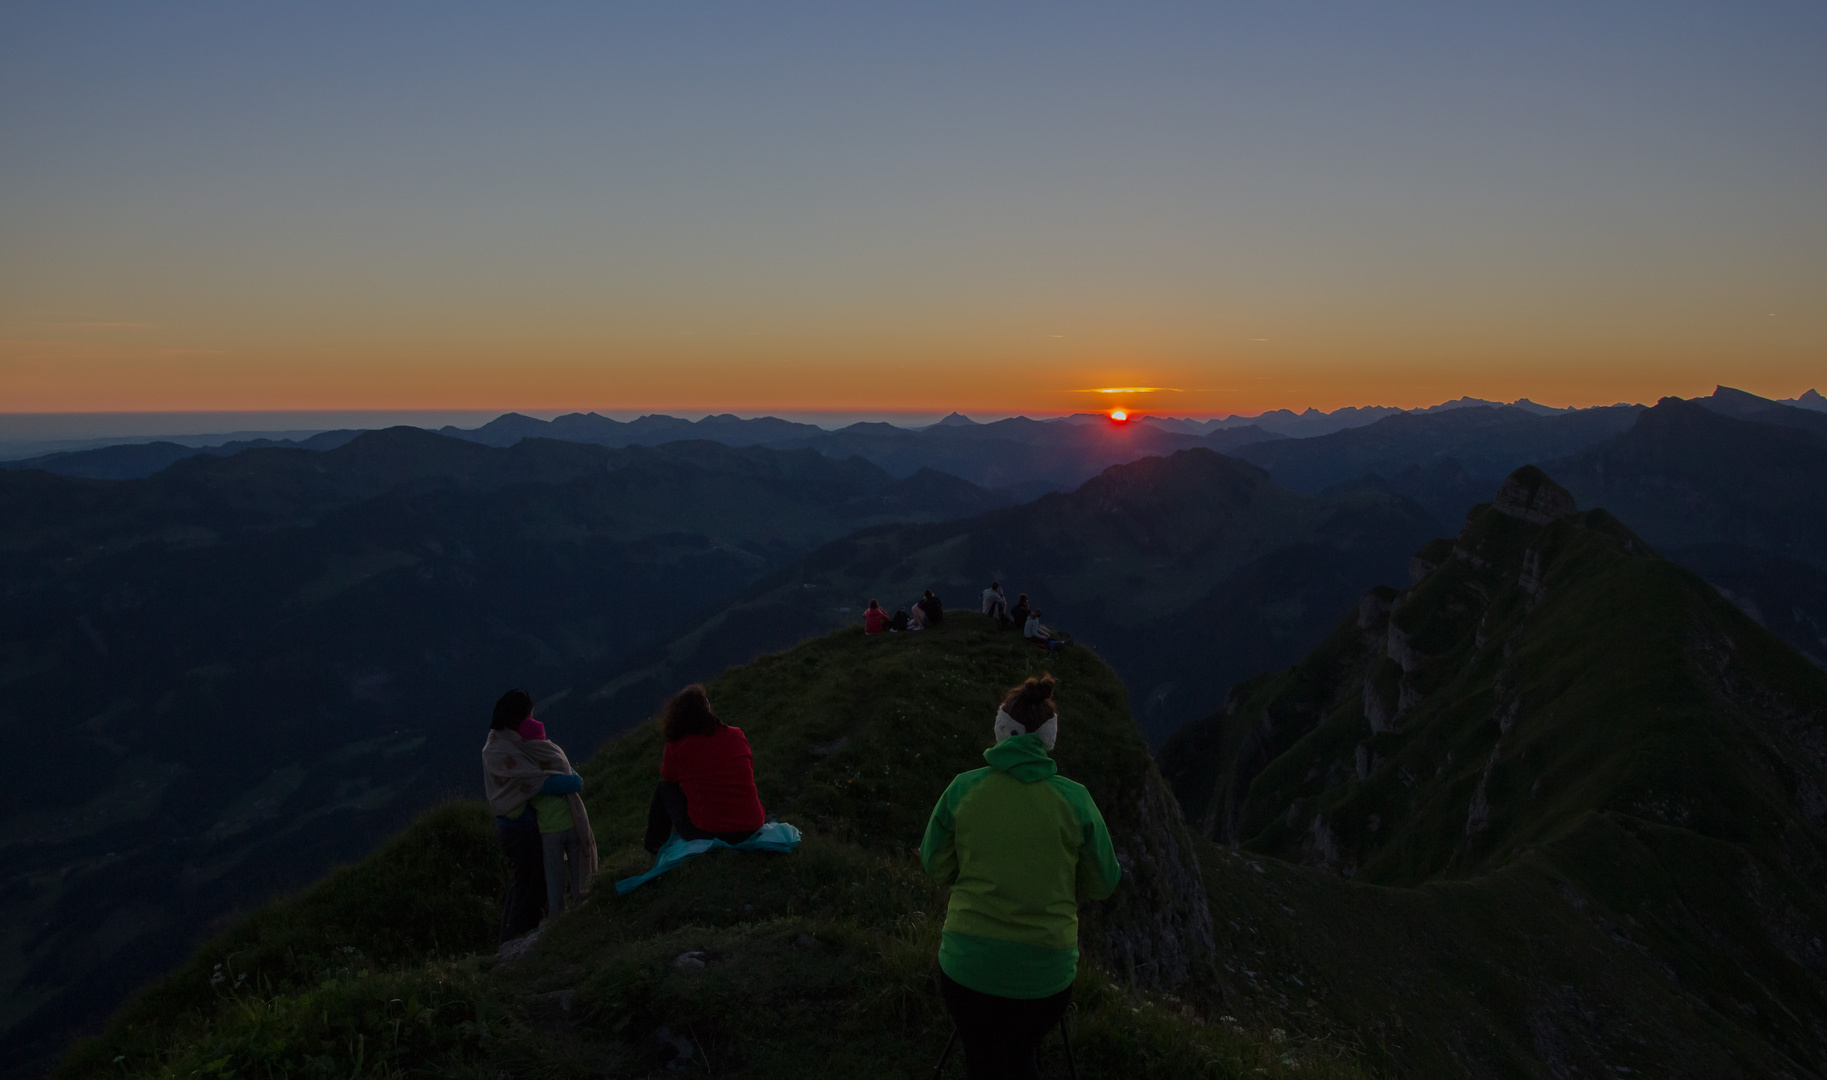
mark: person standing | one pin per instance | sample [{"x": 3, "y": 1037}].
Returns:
[
  {"x": 1018, "y": 844},
  {"x": 513, "y": 774}
]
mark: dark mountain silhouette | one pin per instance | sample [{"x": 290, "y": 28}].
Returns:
[
  {"x": 1186, "y": 573},
  {"x": 1579, "y": 748},
  {"x": 253, "y": 667},
  {"x": 132, "y": 461},
  {"x": 1736, "y": 500},
  {"x": 1809, "y": 400},
  {"x": 1447, "y": 460},
  {"x": 1020, "y": 457},
  {"x": 1744, "y": 406}
]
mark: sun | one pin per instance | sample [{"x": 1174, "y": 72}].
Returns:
[{"x": 1118, "y": 415}]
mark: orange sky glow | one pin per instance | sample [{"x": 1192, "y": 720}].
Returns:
[{"x": 877, "y": 211}]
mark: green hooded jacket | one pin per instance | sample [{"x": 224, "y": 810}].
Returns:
[{"x": 1018, "y": 844}]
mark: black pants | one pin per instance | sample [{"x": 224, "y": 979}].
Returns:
[
  {"x": 667, "y": 814},
  {"x": 526, "y": 895},
  {"x": 1001, "y": 1035}
]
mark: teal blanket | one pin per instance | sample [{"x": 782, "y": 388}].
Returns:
[{"x": 774, "y": 836}]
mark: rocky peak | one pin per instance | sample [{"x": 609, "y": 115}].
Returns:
[{"x": 1528, "y": 494}]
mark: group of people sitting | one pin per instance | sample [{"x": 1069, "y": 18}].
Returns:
[
  {"x": 925, "y": 612},
  {"x": 929, "y": 611},
  {"x": 1016, "y": 843},
  {"x": 1027, "y": 618}
]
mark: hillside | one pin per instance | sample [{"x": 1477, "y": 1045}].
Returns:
[
  {"x": 819, "y": 963},
  {"x": 261, "y": 660},
  {"x": 1186, "y": 573},
  {"x": 1601, "y": 778}
]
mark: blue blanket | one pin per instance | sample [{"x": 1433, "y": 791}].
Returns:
[{"x": 774, "y": 836}]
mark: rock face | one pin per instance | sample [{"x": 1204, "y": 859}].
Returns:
[
  {"x": 1528, "y": 494},
  {"x": 1157, "y": 930}
]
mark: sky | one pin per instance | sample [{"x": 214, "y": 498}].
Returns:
[{"x": 907, "y": 208}]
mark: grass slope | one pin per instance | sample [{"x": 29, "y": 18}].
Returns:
[
  {"x": 1593, "y": 783},
  {"x": 816, "y": 964}
]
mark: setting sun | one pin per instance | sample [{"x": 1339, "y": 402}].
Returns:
[{"x": 1119, "y": 415}]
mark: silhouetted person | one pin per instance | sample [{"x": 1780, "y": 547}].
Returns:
[
  {"x": 1018, "y": 615},
  {"x": 875, "y": 620},
  {"x": 933, "y": 608}
]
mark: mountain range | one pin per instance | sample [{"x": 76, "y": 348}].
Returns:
[
  {"x": 1186, "y": 573},
  {"x": 263, "y": 652},
  {"x": 258, "y": 666}
]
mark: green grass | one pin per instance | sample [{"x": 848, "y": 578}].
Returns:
[{"x": 819, "y": 963}]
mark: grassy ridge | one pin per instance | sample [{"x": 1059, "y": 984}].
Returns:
[
  {"x": 1611, "y": 771},
  {"x": 816, "y": 964}
]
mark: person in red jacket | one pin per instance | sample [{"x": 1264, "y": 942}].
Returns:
[
  {"x": 875, "y": 620},
  {"x": 707, "y": 777}
]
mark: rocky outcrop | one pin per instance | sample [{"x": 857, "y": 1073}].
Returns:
[
  {"x": 1529, "y": 494},
  {"x": 1157, "y": 930}
]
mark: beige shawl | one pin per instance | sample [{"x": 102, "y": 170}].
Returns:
[{"x": 513, "y": 770}]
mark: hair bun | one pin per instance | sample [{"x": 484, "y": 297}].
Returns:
[{"x": 1040, "y": 689}]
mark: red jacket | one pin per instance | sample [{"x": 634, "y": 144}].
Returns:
[
  {"x": 875, "y": 620},
  {"x": 717, "y": 772}
]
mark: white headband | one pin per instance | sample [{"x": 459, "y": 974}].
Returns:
[{"x": 1008, "y": 727}]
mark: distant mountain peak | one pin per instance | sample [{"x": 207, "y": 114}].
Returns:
[
  {"x": 1732, "y": 396},
  {"x": 1812, "y": 399},
  {"x": 957, "y": 419}
]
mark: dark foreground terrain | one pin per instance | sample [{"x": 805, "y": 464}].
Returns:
[{"x": 1612, "y": 941}]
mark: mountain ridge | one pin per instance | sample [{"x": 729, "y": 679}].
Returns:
[{"x": 1549, "y": 696}]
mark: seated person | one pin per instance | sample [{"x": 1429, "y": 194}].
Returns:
[
  {"x": 996, "y": 605},
  {"x": 916, "y": 617},
  {"x": 934, "y": 610},
  {"x": 1018, "y": 615},
  {"x": 707, "y": 777},
  {"x": 875, "y": 620},
  {"x": 1040, "y": 635}
]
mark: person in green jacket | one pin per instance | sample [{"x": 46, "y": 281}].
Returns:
[{"x": 1018, "y": 844}]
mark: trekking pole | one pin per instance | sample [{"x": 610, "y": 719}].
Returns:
[
  {"x": 1065, "y": 1036},
  {"x": 939, "y": 1069}
]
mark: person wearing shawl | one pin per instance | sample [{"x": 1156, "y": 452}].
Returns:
[
  {"x": 1018, "y": 844},
  {"x": 515, "y": 771}
]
